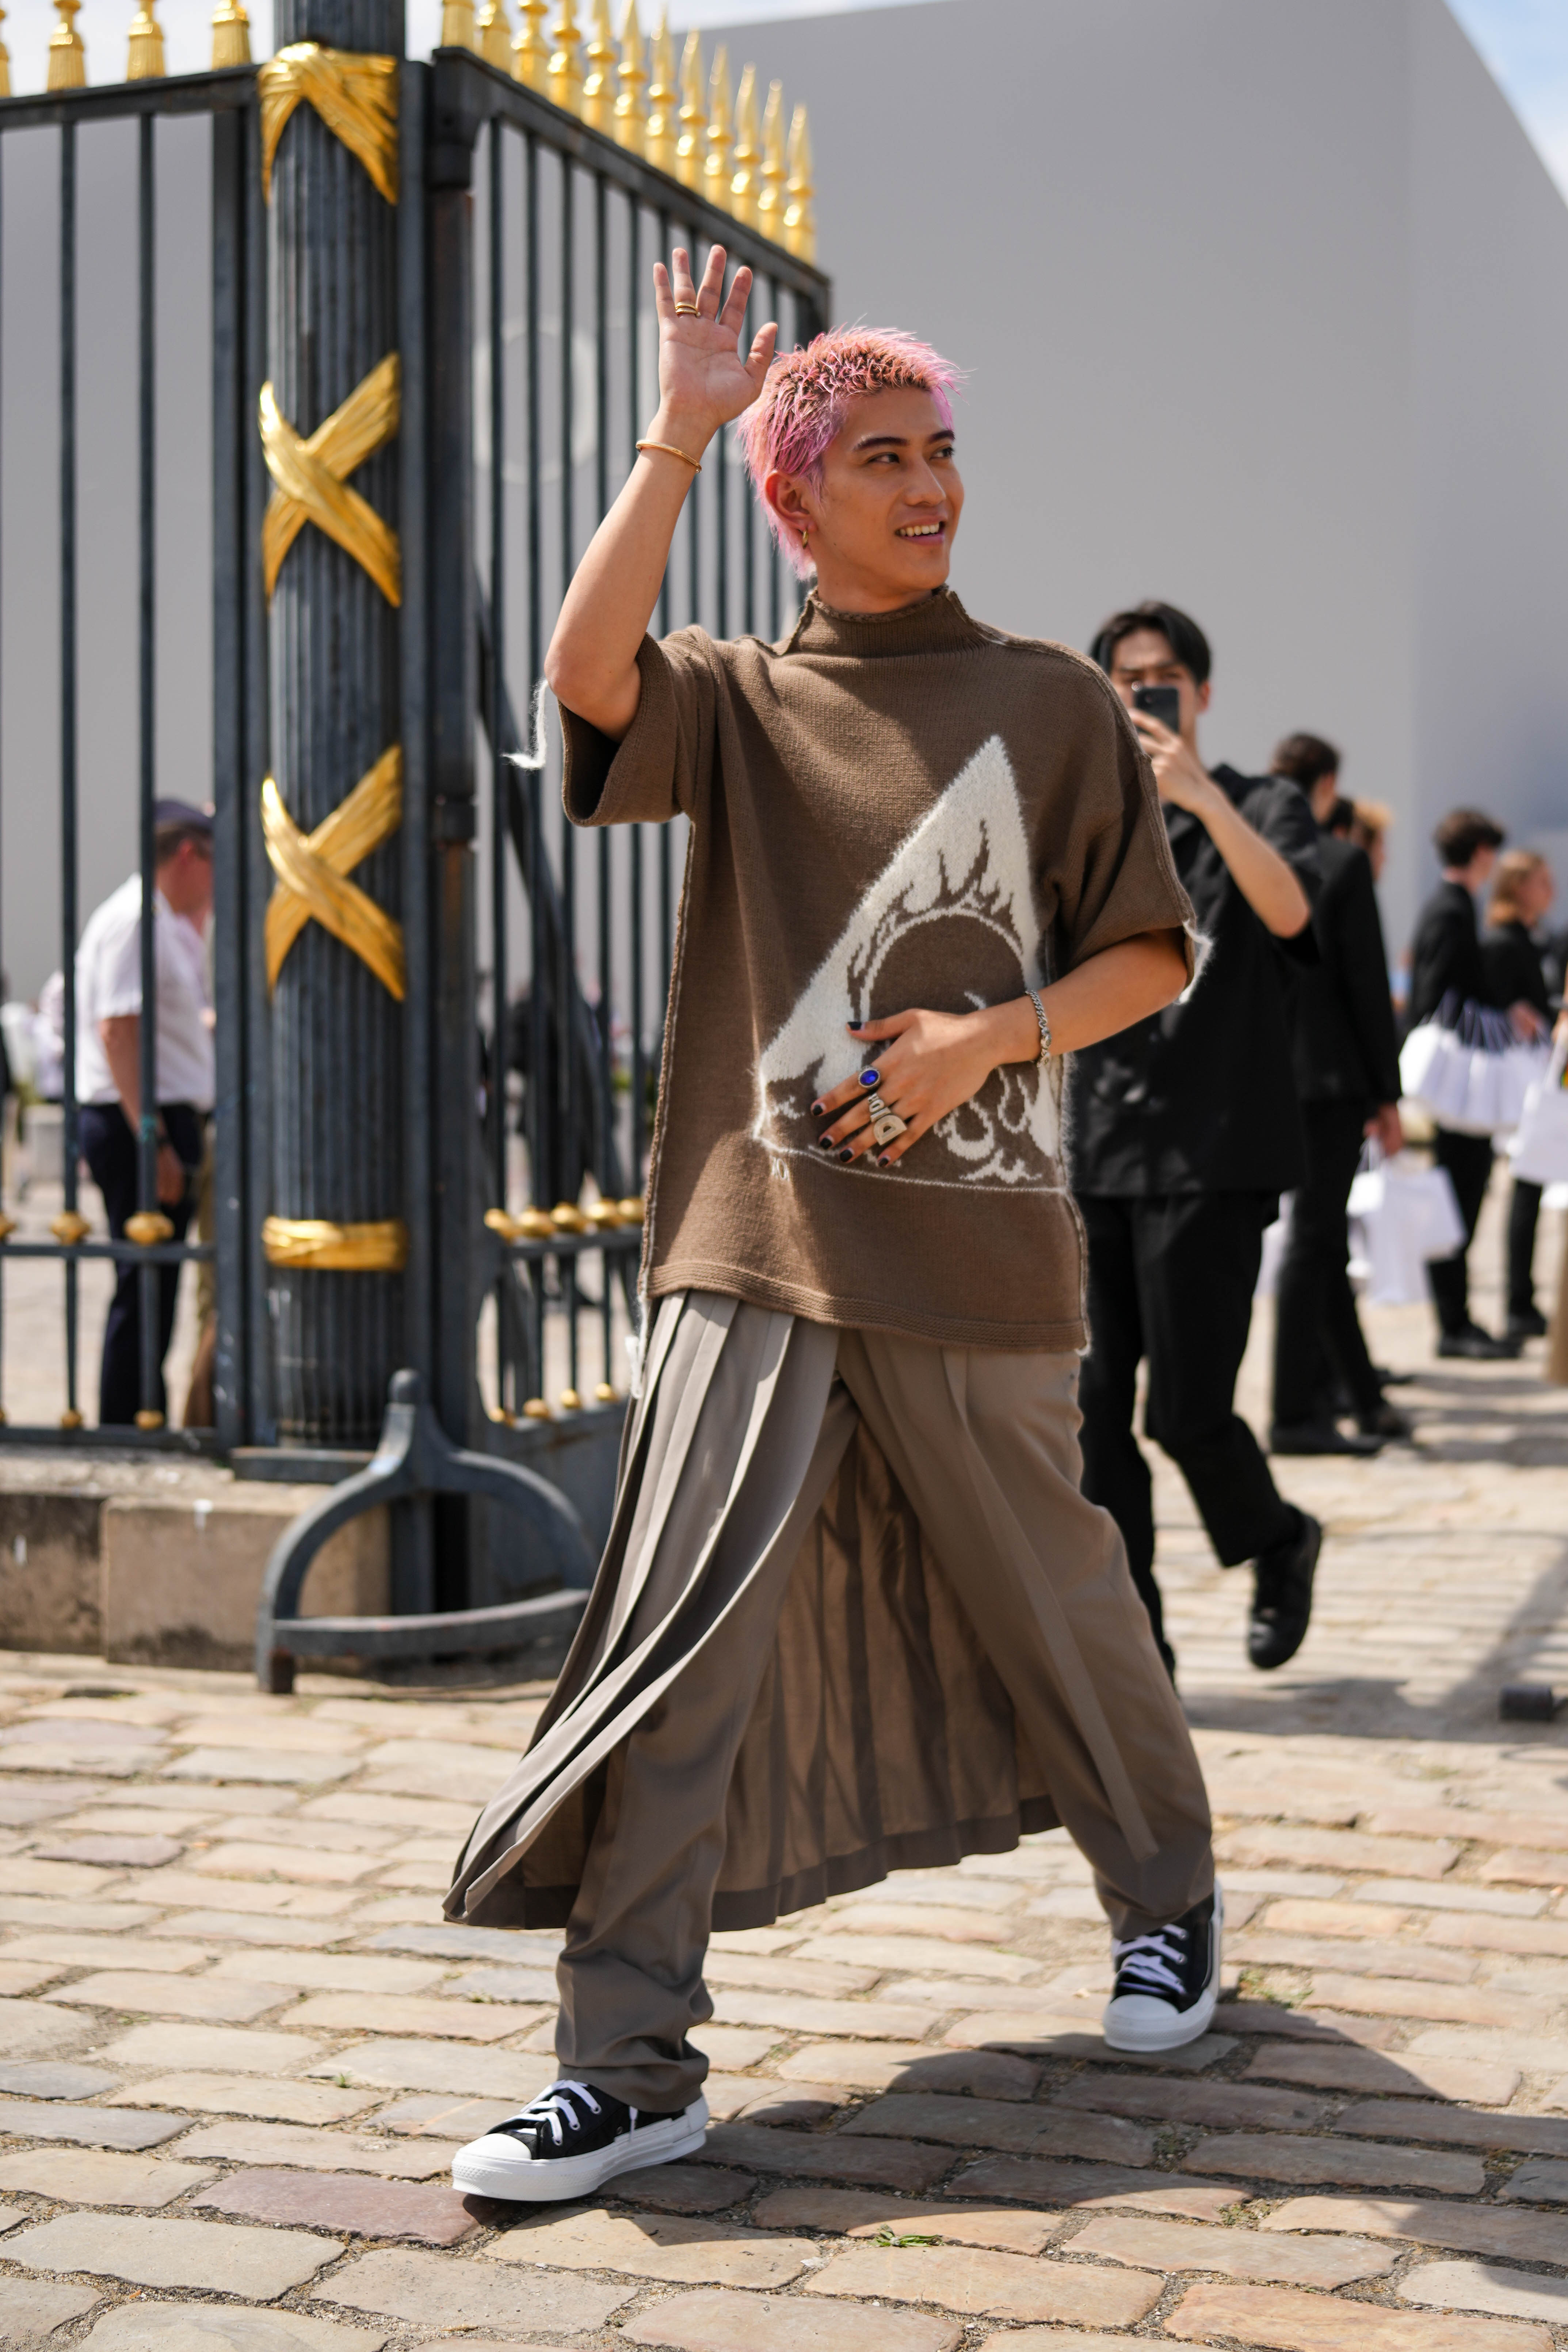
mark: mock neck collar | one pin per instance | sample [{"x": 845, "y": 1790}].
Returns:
[{"x": 936, "y": 624}]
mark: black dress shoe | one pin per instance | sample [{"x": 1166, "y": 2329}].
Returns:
[
  {"x": 1387, "y": 1379},
  {"x": 1479, "y": 1346},
  {"x": 1385, "y": 1420},
  {"x": 1529, "y": 1323},
  {"x": 1318, "y": 1437},
  {"x": 1282, "y": 1596}
]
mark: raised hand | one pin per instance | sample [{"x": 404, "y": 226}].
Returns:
[{"x": 703, "y": 378}]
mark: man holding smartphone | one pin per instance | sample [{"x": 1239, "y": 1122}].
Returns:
[{"x": 1184, "y": 1133}]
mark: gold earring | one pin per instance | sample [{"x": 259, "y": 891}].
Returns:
[{"x": 804, "y": 533}]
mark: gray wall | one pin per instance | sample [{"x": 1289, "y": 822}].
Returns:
[{"x": 1267, "y": 311}]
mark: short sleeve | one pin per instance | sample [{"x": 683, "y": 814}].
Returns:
[
  {"x": 1115, "y": 877},
  {"x": 1278, "y": 810},
  {"x": 119, "y": 988},
  {"x": 663, "y": 766}
]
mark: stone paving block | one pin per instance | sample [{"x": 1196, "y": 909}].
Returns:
[
  {"x": 325, "y": 1971},
  {"x": 270, "y": 1898},
  {"x": 233, "y": 1799},
  {"x": 718, "y": 2322},
  {"x": 393, "y": 2065},
  {"x": 1052, "y": 2340},
  {"x": 1522, "y": 1866},
  {"x": 680, "y": 2251},
  {"x": 445, "y": 2118},
  {"x": 239, "y": 1928},
  {"x": 445, "y": 2292},
  {"x": 1539, "y": 2183},
  {"x": 312, "y": 1866},
  {"x": 948, "y": 1922},
  {"x": 860, "y": 2065},
  {"x": 216, "y": 2049},
  {"x": 44, "y": 2081},
  {"x": 245, "y": 2142},
  {"x": 1289, "y": 2321},
  {"x": 802, "y": 2156},
  {"x": 728, "y": 2095},
  {"x": 153, "y": 2250},
  {"x": 81, "y": 2175},
  {"x": 1222, "y": 2107},
  {"x": 1534, "y": 2054},
  {"x": 1332, "y": 2027},
  {"x": 144, "y": 2326},
  {"x": 361, "y": 2207},
  {"x": 1418, "y": 1858},
  {"x": 388, "y": 1813},
  {"x": 534, "y": 1985},
  {"x": 1301, "y": 1915},
  {"x": 1477, "y": 1931},
  {"x": 31, "y": 2309},
  {"x": 1051, "y": 2004},
  {"x": 36, "y": 2028},
  {"x": 1515, "y": 2234},
  {"x": 1176, "y": 2246},
  {"x": 785, "y": 2104},
  {"x": 1460, "y": 1895},
  {"x": 152, "y": 1993},
  {"x": 374, "y": 2012},
  {"x": 874, "y": 1955},
  {"x": 169, "y": 1956},
  {"x": 260, "y": 1764},
  {"x": 981, "y": 2284},
  {"x": 1265, "y": 2156},
  {"x": 860, "y": 2214},
  {"x": 1022, "y": 2035},
  {"x": 834, "y": 1979},
  {"x": 1033, "y": 2180},
  {"x": 510, "y": 1945},
  {"x": 282, "y": 1732},
  {"x": 1432, "y": 1963},
  {"x": 1402, "y": 1997},
  {"x": 241, "y": 2094},
  {"x": 1009, "y": 2125},
  {"x": 735, "y": 2048},
  {"x": 1435, "y": 2119},
  {"x": 58, "y": 1911},
  {"x": 1458, "y": 1821},
  {"x": 124, "y": 1853},
  {"x": 683, "y": 2188},
  {"x": 86, "y": 2127},
  {"x": 1485, "y": 2286},
  {"x": 964, "y": 1888},
  {"x": 1328, "y": 2066},
  {"x": 880, "y": 2021}
]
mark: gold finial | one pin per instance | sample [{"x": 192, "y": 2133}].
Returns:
[
  {"x": 663, "y": 98},
  {"x": 599, "y": 89},
  {"x": 67, "y": 57},
  {"x": 492, "y": 34},
  {"x": 720, "y": 132},
  {"x": 692, "y": 145},
  {"x": 231, "y": 34},
  {"x": 145, "y": 61},
  {"x": 457, "y": 24},
  {"x": 800, "y": 218},
  {"x": 631, "y": 108},
  {"x": 4, "y": 92},
  {"x": 771, "y": 201},
  {"x": 566, "y": 60},
  {"x": 744, "y": 186},
  {"x": 529, "y": 50}
]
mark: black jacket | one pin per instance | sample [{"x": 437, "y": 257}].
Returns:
[
  {"x": 1445, "y": 954},
  {"x": 1345, "y": 1047},
  {"x": 1201, "y": 1098},
  {"x": 1511, "y": 963}
]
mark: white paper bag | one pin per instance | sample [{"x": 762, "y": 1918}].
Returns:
[
  {"x": 1540, "y": 1147},
  {"x": 1401, "y": 1215},
  {"x": 1467, "y": 1069}
]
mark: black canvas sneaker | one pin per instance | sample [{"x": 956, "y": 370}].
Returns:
[
  {"x": 1167, "y": 1982},
  {"x": 570, "y": 2140}
]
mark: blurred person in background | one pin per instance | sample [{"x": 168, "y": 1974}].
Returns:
[
  {"x": 1522, "y": 892},
  {"x": 1370, "y": 821},
  {"x": 1347, "y": 1079},
  {"x": 1184, "y": 1132}
]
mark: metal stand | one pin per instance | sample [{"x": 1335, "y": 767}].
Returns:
[{"x": 414, "y": 1458}]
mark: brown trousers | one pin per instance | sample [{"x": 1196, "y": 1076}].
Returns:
[{"x": 983, "y": 1444}]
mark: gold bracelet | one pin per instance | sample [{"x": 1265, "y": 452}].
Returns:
[{"x": 671, "y": 451}]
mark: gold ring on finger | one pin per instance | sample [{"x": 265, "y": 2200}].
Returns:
[{"x": 688, "y": 310}]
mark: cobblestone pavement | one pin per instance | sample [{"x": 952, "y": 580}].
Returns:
[{"x": 237, "y": 2046}]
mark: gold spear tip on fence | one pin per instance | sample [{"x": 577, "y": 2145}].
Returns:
[
  {"x": 67, "y": 54},
  {"x": 4, "y": 92},
  {"x": 772, "y": 200},
  {"x": 663, "y": 98},
  {"x": 630, "y": 124},
  {"x": 599, "y": 88},
  {"x": 529, "y": 50},
  {"x": 743, "y": 187},
  {"x": 566, "y": 60},
  {"x": 231, "y": 34},
  {"x": 691, "y": 146},
  {"x": 800, "y": 216},
  {"x": 144, "y": 61},
  {"x": 720, "y": 131},
  {"x": 492, "y": 36}
]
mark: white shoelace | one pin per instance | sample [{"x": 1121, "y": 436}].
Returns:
[
  {"x": 555, "y": 2106},
  {"x": 1156, "y": 1960}
]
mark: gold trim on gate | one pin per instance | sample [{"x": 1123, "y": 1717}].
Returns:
[
  {"x": 355, "y": 94},
  {"x": 313, "y": 870},
  {"x": 329, "y": 1249},
  {"x": 311, "y": 477}
]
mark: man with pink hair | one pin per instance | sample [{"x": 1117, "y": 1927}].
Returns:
[{"x": 855, "y": 1614}]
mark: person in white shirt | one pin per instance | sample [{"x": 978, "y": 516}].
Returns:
[{"x": 109, "y": 1073}]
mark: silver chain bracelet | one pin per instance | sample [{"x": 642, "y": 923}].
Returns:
[{"x": 1034, "y": 997}]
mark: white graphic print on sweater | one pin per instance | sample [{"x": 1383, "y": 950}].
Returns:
[{"x": 965, "y": 868}]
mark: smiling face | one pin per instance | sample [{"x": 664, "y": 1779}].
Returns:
[{"x": 881, "y": 524}]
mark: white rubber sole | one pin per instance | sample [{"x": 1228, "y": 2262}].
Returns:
[
  {"x": 497, "y": 2166},
  {"x": 1142, "y": 2024}
]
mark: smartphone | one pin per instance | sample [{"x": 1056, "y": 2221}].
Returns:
[{"x": 1160, "y": 702}]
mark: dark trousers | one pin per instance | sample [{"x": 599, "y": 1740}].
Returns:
[
  {"x": 1171, "y": 1277},
  {"x": 109, "y": 1150},
  {"x": 1523, "y": 1208},
  {"x": 1469, "y": 1160},
  {"x": 1317, "y": 1332}
]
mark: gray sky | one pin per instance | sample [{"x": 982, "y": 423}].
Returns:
[{"x": 1524, "y": 42}]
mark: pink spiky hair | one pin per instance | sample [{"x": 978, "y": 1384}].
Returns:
[{"x": 800, "y": 406}]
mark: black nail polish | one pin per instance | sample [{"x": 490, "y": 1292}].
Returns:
[
  {"x": 824, "y": 1143},
  {"x": 857, "y": 1024},
  {"x": 884, "y": 1161},
  {"x": 847, "y": 1153},
  {"x": 819, "y": 1110}
]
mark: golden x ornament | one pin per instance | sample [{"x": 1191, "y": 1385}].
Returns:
[
  {"x": 313, "y": 870},
  {"x": 355, "y": 96},
  {"x": 310, "y": 478}
]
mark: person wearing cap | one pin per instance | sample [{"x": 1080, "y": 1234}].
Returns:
[{"x": 109, "y": 1072}]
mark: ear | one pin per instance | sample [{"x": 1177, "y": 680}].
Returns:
[
  {"x": 792, "y": 501},
  {"x": 1204, "y": 692}
]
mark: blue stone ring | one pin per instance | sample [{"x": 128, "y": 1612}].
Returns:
[{"x": 871, "y": 1077}]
